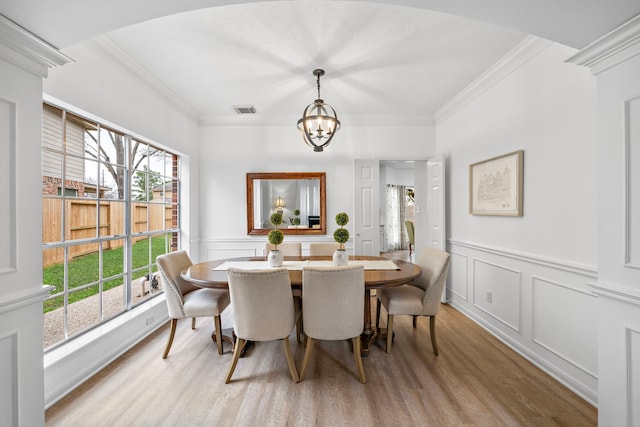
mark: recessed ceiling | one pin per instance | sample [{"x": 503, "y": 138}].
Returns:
[{"x": 389, "y": 63}]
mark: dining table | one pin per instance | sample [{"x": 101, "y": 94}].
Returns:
[{"x": 379, "y": 272}]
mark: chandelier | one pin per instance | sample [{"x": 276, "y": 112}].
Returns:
[{"x": 319, "y": 121}]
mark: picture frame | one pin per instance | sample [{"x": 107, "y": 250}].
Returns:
[{"x": 496, "y": 185}]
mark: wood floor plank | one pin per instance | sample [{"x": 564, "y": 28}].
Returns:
[{"x": 476, "y": 380}]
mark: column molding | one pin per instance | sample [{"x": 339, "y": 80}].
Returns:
[{"x": 22, "y": 48}]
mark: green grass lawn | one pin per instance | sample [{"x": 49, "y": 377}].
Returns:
[{"x": 86, "y": 269}]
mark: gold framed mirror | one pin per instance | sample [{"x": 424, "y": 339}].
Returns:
[{"x": 290, "y": 193}]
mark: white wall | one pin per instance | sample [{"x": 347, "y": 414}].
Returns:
[
  {"x": 526, "y": 278},
  {"x": 98, "y": 86},
  {"x": 614, "y": 60},
  {"x": 23, "y": 63},
  {"x": 228, "y": 152}
]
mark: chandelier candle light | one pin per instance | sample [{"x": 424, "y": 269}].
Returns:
[{"x": 319, "y": 121}]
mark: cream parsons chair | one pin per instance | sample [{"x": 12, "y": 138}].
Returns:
[
  {"x": 262, "y": 310},
  {"x": 420, "y": 297},
  {"x": 186, "y": 300},
  {"x": 323, "y": 249},
  {"x": 287, "y": 249},
  {"x": 291, "y": 249},
  {"x": 411, "y": 233},
  {"x": 333, "y": 308}
]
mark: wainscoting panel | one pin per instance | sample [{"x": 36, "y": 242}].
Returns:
[
  {"x": 457, "y": 281},
  {"x": 7, "y": 186},
  {"x": 564, "y": 322},
  {"x": 543, "y": 308},
  {"x": 632, "y": 178},
  {"x": 254, "y": 246},
  {"x": 9, "y": 383},
  {"x": 219, "y": 253},
  {"x": 633, "y": 369},
  {"x": 496, "y": 290}
]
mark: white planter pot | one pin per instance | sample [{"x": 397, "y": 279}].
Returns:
[
  {"x": 275, "y": 258},
  {"x": 340, "y": 257}
]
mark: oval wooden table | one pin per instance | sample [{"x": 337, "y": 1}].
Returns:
[{"x": 204, "y": 275}]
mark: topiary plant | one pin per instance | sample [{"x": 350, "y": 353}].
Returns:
[
  {"x": 275, "y": 236},
  {"x": 295, "y": 220},
  {"x": 341, "y": 235}
]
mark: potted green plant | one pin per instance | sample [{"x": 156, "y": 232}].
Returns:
[
  {"x": 341, "y": 235},
  {"x": 295, "y": 221},
  {"x": 275, "y": 237}
]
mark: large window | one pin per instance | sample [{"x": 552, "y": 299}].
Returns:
[{"x": 110, "y": 206}]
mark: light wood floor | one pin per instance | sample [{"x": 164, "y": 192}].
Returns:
[{"x": 476, "y": 380}]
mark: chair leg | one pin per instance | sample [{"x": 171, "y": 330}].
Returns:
[
  {"x": 218, "y": 323},
  {"x": 358, "y": 358},
  {"x": 193, "y": 323},
  {"x": 378, "y": 304},
  {"x": 307, "y": 356},
  {"x": 172, "y": 333},
  {"x": 432, "y": 330},
  {"x": 292, "y": 365},
  {"x": 237, "y": 349},
  {"x": 389, "y": 332},
  {"x": 299, "y": 330},
  {"x": 415, "y": 322}
]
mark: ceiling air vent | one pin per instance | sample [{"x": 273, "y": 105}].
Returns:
[{"x": 245, "y": 109}]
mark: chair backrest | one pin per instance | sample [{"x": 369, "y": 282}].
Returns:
[
  {"x": 435, "y": 266},
  {"x": 287, "y": 249},
  {"x": 411, "y": 233},
  {"x": 262, "y": 303},
  {"x": 333, "y": 302},
  {"x": 175, "y": 287},
  {"x": 323, "y": 249}
]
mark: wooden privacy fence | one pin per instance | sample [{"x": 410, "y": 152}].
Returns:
[{"x": 81, "y": 223}]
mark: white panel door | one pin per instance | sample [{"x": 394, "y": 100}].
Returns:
[
  {"x": 366, "y": 194},
  {"x": 436, "y": 230}
]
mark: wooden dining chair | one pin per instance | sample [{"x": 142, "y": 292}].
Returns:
[
  {"x": 186, "y": 300},
  {"x": 420, "y": 297},
  {"x": 323, "y": 248},
  {"x": 333, "y": 308},
  {"x": 263, "y": 310}
]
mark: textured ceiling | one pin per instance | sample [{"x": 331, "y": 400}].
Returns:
[{"x": 387, "y": 62}]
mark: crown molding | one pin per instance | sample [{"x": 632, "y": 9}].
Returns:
[
  {"x": 19, "y": 47},
  {"x": 526, "y": 50},
  {"x": 611, "y": 49},
  {"x": 134, "y": 66}
]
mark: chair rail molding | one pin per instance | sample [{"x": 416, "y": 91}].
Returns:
[
  {"x": 576, "y": 268},
  {"x": 532, "y": 304}
]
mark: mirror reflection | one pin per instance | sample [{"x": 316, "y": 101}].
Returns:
[{"x": 298, "y": 196}]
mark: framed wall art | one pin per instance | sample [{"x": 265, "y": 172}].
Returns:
[{"x": 495, "y": 185}]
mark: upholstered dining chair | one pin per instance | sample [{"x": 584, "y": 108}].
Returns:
[
  {"x": 262, "y": 310},
  {"x": 333, "y": 308},
  {"x": 291, "y": 249},
  {"x": 186, "y": 300},
  {"x": 411, "y": 234},
  {"x": 287, "y": 249},
  {"x": 323, "y": 248},
  {"x": 420, "y": 297}
]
